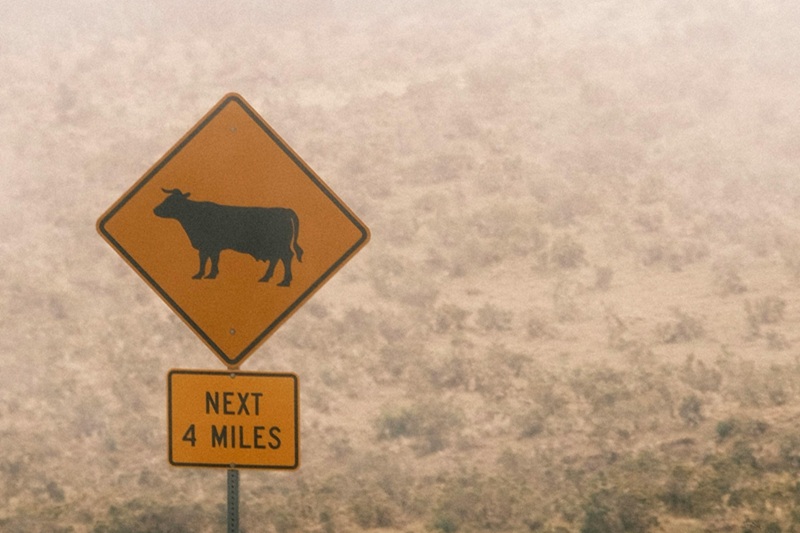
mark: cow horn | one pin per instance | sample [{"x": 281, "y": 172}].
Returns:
[{"x": 175, "y": 191}]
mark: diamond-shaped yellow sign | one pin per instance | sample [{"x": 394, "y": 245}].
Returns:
[{"x": 233, "y": 230}]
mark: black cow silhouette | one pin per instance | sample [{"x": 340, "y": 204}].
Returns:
[{"x": 266, "y": 233}]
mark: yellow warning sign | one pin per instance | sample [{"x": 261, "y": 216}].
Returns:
[
  {"x": 233, "y": 419},
  {"x": 233, "y": 230}
]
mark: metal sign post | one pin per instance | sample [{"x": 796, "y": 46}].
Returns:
[
  {"x": 198, "y": 227},
  {"x": 233, "y": 500}
]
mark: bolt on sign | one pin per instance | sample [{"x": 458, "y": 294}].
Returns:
[
  {"x": 233, "y": 230},
  {"x": 233, "y": 419}
]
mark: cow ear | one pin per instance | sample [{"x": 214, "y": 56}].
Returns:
[{"x": 186, "y": 195}]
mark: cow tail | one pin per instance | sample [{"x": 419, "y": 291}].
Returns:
[{"x": 295, "y": 232}]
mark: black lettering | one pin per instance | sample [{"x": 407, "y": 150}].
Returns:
[
  {"x": 257, "y": 397},
  {"x": 190, "y": 436},
  {"x": 243, "y": 403},
  {"x": 227, "y": 400},
  {"x": 233, "y": 436},
  {"x": 273, "y": 432},
  {"x": 242, "y": 442},
  {"x": 219, "y": 438},
  {"x": 258, "y": 436},
  {"x": 212, "y": 402}
]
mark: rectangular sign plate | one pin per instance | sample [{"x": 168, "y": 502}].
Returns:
[{"x": 233, "y": 419}]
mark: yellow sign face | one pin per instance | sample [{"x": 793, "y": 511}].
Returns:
[
  {"x": 233, "y": 230},
  {"x": 233, "y": 419}
]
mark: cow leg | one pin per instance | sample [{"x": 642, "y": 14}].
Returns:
[
  {"x": 214, "y": 256},
  {"x": 270, "y": 271},
  {"x": 287, "y": 271},
  {"x": 203, "y": 259}
]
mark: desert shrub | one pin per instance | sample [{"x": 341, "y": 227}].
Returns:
[
  {"x": 565, "y": 301},
  {"x": 470, "y": 253},
  {"x": 284, "y": 520},
  {"x": 373, "y": 510},
  {"x": 445, "y": 524},
  {"x": 499, "y": 356},
  {"x": 727, "y": 279},
  {"x": 616, "y": 331},
  {"x": 603, "y": 388},
  {"x": 726, "y": 428},
  {"x": 777, "y": 341},
  {"x": 741, "y": 455},
  {"x": 564, "y": 208},
  {"x": 766, "y": 310},
  {"x": 54, "y": 491},
  {"x": 651, "y": 189},
  {"x": 677, "y": 494},
  {"x": 474, "y": 501},
  {"x": 531, "y": 423},
  {"x": 602, "y": 277},
  {"x": 761, "y": 526},
  {"x": 790, "y": 253},
  {"x": 537, "y": 327},
  {"x": 608, "y": 511},
  {"x": 693, "y": 492},
  {"x": 753, "y": 386},
  {"x": 494, "y": 233},
  {"x": 690, "y": 410},
  {"x": 649, "y": 221},
  {"x": 402, "y": 280},
  {"x": 566, "y": 252},
  {"x": 674, "y": 254},
  {"x": 431, "y": 425},
  {"x": 357, "y": 326},
  {"x": 394, "y": 358},
  {"x": 789, "y": 456},
  {"x": 682, "y": 328},
  {"x": 730, "y": 427},
  {"x": 492, "y": 318},
  {"x": 451, "y": 372},
  {"x": 699, "y": 376},
  {"x": 449, "y": 317},
  {"x": 395, "y": 327},
  {"x": 138, "y": 516}
]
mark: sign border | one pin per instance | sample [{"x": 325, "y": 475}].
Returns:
[
  {"x": 236, "y": 373},
  {"x": 232, "y": 98}
]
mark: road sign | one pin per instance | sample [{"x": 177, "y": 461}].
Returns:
[
  {"x": 233, "y": 419},
  {"x": 233, "y": 230}
]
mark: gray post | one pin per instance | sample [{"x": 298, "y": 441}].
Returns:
[{"x": 233, "y": 500}]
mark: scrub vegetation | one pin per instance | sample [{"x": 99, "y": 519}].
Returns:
[{"x": 578, "y": 311}]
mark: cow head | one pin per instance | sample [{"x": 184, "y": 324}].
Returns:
[{"x": 173, "y": 204}]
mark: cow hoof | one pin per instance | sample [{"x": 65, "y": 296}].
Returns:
[
  {"x": 284, "y": 283},
  {"x": 197, "y": 276}
]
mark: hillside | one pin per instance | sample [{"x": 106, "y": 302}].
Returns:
[{"x": 578, "y": 310}]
